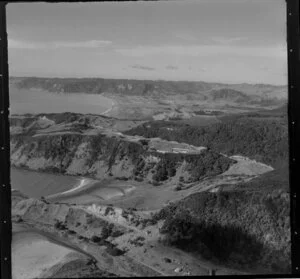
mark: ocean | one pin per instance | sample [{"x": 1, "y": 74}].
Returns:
[
  {"x": 36, "y": 184},
  {"x": 40, "y": 101}
]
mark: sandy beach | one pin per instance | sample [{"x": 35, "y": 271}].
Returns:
[
  {"x": 33, "y": 254},
  {"x": 110, "y": 109},
  {"x": 91, "y": 191}
]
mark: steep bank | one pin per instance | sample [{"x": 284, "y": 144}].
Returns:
[
  {"x": 123, "y": 242},
  {"x": 74, "y": 146}
]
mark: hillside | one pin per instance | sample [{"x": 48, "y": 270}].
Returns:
[
  {"x": 184, "y": 197},
  {"x": 251, "y": 216},
  {"x": 157, "y": 88},
  {"x": 76, "y": 146},
  {"x": 122, "y": 242},
  {"x": 223, "y": 226},
  {"x": 229, "y": 94},
  {"x": 202, "y": 231},
  {"x": 262, "y": 138}
]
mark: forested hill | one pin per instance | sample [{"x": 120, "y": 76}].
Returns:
[
  {"x": 265, "y": 140},
  {"x": 217, "y": 91}
]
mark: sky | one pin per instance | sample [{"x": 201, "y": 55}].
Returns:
[{"x": 229, "y": 41}]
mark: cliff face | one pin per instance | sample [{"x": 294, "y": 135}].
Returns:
[{"x": 101, "y": 155}]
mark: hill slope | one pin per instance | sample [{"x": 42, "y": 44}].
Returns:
[
  {"x": 158, "y": 88},
  {"x": 247, "y": 226},
  {"x": 265, "y": 140},
  {"x": 71, "y": 145}
]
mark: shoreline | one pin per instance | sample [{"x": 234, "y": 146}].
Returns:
[
  {"x": 83, "y": 182},
  {"x": 82, "y": 187},
  {"x": 44, "y": 251},
  {"x": 110, "y": 109}
]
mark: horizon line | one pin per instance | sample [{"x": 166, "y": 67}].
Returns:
[{"x": 137, "y": 79}]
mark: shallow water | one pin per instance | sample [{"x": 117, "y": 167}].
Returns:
[
  {"x": 36, "y": 184},
  {"x": 92, "y": 192},
  {"x": 39, "y": 101}
]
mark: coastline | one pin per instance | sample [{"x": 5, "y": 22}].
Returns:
[
  {"x": 37, "y": 253},
  {"x": 84, "y": 184},
  {"x": 110, "y": 109},
  {"x": 69, "y": 188}
]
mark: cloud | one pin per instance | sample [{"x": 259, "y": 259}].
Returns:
[
  {"x": 227, "y": 40},
  {"x": 84, "y": 44},
  {"x": 17, "y": 44},
  {"x": 203, "y": 51},
  {"x": 141, "y": 67}
]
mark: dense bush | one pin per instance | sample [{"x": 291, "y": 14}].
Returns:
[
  {"x": 220, "y": 241},
  {"x": 207, "y": 163},
  {"x": 107, "y": 230},
  {"x": 116, "y": 233},
  {"x": 59, "y": 225},
  {"x": 138, "y": 241},
  {"x": 96, "y": 238},
  {"x": 114, "y": 251},
  {"x": 263, "y": 140},
  {"x": 225, "y": 224}
]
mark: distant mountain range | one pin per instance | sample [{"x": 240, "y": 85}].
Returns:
[{"x": 237, "y": 93}]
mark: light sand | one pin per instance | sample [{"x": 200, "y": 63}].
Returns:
[
  {"x": 92, "y": 191},
  {"x": 110, "y": 109},
  {"x": 83, "y": 182},
  {"x": 32, "y": 254}
]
